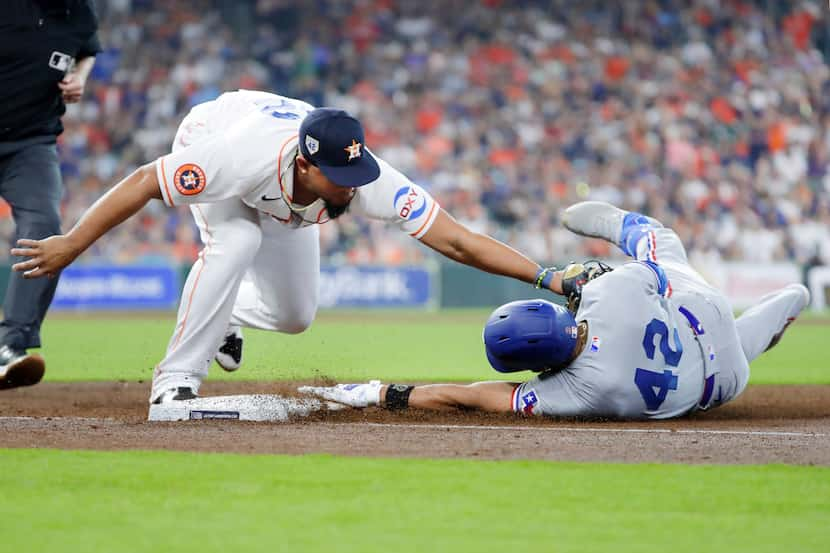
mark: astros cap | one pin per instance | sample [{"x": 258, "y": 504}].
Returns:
[{"x": 332, "y": 140}]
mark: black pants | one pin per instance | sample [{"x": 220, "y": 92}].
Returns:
[{"x": 30, "y": 181}]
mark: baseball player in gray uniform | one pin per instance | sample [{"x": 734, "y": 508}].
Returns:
[{"x": 650, "y": 339}]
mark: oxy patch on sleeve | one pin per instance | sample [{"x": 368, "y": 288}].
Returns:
[{"x": 409, "y": 203}]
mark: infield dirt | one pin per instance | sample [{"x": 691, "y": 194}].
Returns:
[{"x": 767, "y": 424}]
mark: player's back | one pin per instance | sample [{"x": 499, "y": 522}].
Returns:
[
  {"x": 232, "y": 107},
  {"x": 641, "y": 359}
]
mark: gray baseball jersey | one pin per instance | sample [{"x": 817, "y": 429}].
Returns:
[{"x": 661, "y": 342}]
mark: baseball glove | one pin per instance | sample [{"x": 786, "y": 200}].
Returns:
[{"x": 576, "y": 275}]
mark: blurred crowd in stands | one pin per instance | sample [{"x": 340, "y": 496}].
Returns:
[{"x": 711, "y": 115}]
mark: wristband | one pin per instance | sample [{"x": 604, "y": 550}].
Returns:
[
  {"x": 544, "y": 277},
  {"x": 397, "y": 396}
]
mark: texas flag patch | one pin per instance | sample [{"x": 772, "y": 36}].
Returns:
[{"x": 529, "y": 400}]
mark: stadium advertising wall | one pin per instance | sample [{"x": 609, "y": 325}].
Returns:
[
  {"x": 745, "y": 283},
  {"x": 124, "y": 287},
  {"x": 158, "y": 287},
  {"x": 117, "y": 287},
  {"x": 347, "y": 286}
]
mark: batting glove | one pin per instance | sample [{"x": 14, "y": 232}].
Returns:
[{"x": 353, "y": 395}]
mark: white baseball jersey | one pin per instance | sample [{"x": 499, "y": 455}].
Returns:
[
  {"x": 232, "y": 161},
  {"x": 661, "y": 342},
  {"x": 244, "y": 144}
]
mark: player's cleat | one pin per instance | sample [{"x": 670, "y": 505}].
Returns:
[
  {"x": 229, "y": 356},
  {"x": 182, "y": 393},
  {"x": 18, "y": 368},
  {"x": 595, "y": 219},
  {"x": 603, "y": 220},
  {"x": 801, "y": 297},
  {"x": 353, "y": 395},
  {"x": 171, "y": 404}
]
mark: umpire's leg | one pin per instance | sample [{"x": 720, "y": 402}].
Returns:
[{"x": 30, "y": 182}]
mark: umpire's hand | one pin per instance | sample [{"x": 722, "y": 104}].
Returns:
[
  {"x": 72, "y": 87},
  {"x": 45, "y": 257}
]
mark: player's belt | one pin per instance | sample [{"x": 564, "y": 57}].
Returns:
[{"x": 707, "y": 354}]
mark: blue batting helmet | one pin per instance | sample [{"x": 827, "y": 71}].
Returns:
[{"x": 532, "y": 335}]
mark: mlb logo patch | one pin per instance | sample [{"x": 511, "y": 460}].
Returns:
[
  {"x": 529, "y": 400},
  {"x": 595, "y": 343},
  {"x": 60, "y": 61}
]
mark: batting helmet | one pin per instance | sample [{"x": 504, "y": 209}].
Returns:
[{"x": 532, "y": 335}]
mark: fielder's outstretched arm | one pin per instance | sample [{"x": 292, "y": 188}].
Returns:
[
  {"x": 50, "y": 255},
  {"x": 455, "y": 241}
]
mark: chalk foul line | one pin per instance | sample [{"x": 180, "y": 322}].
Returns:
[
  {"x": 550, "y": 429},
  {"x": 596, "y": 429}
]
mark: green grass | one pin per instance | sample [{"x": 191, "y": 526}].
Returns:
[
  {"x": 802, "y": 357},
  {"x": 354, "y": 346},
  {"x": 69, "y": 501}
]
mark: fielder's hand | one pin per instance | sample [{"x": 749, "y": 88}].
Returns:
[
  {"x": 353, "y": 395},
  {"x": 46, "y": 257}
]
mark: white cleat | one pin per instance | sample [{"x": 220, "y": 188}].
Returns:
[
  {"x": 801, "y": 298},
  {"x": 229, "y": 356},
  {"x": 595, "y": 219}
]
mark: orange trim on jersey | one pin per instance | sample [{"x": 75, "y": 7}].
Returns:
[
  {"x": 202, "y": 256},
  {"x": 279, "y": 168},
  {"x": 427, "y": 221},
  {"x": 164, "y": 180}
]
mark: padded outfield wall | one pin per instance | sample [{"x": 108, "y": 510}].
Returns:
[{"x": 431, "y": 286}]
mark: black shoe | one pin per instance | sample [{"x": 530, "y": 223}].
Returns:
[
  {"x": 229, "y": 356},
  {"x": 18, "y": 368},
  {"x": 175, "y": 394}
]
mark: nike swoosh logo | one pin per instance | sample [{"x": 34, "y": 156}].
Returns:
[{"x": 265, "y": 198}]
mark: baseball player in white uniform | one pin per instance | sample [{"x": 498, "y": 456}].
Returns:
[
  {"x": 648, "y": 340},
  {"x": 260, "y": 172}
]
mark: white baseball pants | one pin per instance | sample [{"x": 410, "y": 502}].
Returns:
[{"x": 253, "y": 271}]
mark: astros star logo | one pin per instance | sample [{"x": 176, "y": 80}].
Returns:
[
  {"x": 189, "y": 180},
  {"x": 354, "y": 149}
]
